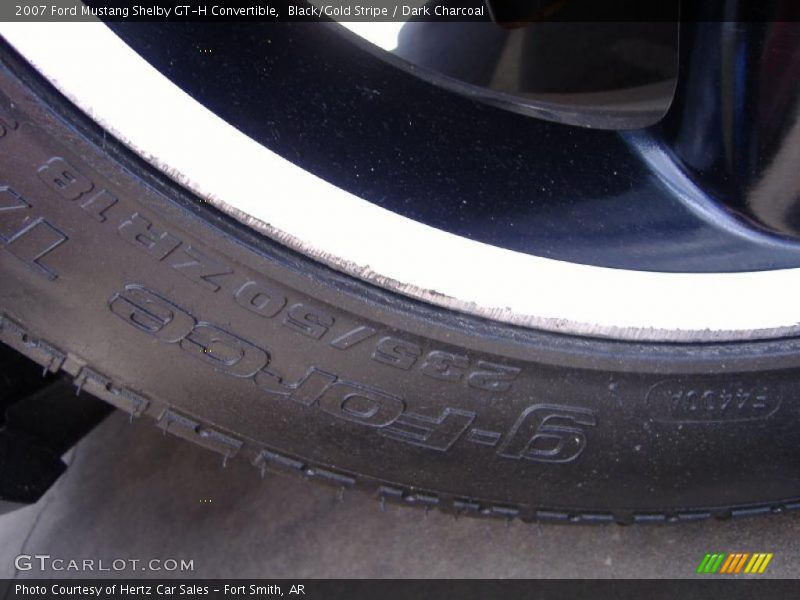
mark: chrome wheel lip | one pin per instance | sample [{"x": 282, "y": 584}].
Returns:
[{"x": 184, "y": 140}]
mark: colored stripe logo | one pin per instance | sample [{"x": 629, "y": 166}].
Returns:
[{"x": 723, "y": 563}]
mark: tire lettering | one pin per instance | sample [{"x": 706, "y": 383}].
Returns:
[
  {"x": 140, "y": 232},
  {"x": 310, "y": 321},
  {"x": 361, "y": 404},
  {"x": 260, "y": 299},
  {"x": 548, "y": 433},
  {"x": 150, "y": 313},
  {"x": 64, "y": 179},
  {"x": 397, "y": 353},
  {"x": 224, "y": 351},
  {"x": 26, "y": 236},
  {"x": 543, "y": 432}
]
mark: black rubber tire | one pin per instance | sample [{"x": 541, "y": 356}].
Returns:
[{"x": 167, "y": 308}]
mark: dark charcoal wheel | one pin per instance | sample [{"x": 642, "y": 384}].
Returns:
[{"x": 390, "y": 273}]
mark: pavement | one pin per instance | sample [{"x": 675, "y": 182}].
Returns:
[{"x": 132, "y": 493}]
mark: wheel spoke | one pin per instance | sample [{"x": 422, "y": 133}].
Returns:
[{"x": 733, "y": 124}]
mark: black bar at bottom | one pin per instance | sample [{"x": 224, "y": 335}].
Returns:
[{"x": 709, "y": 586}]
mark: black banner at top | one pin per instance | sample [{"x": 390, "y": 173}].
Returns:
[{"x": 507, "y": 13}]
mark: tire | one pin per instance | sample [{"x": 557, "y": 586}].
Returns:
[{"x": 170, "y": 310}]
